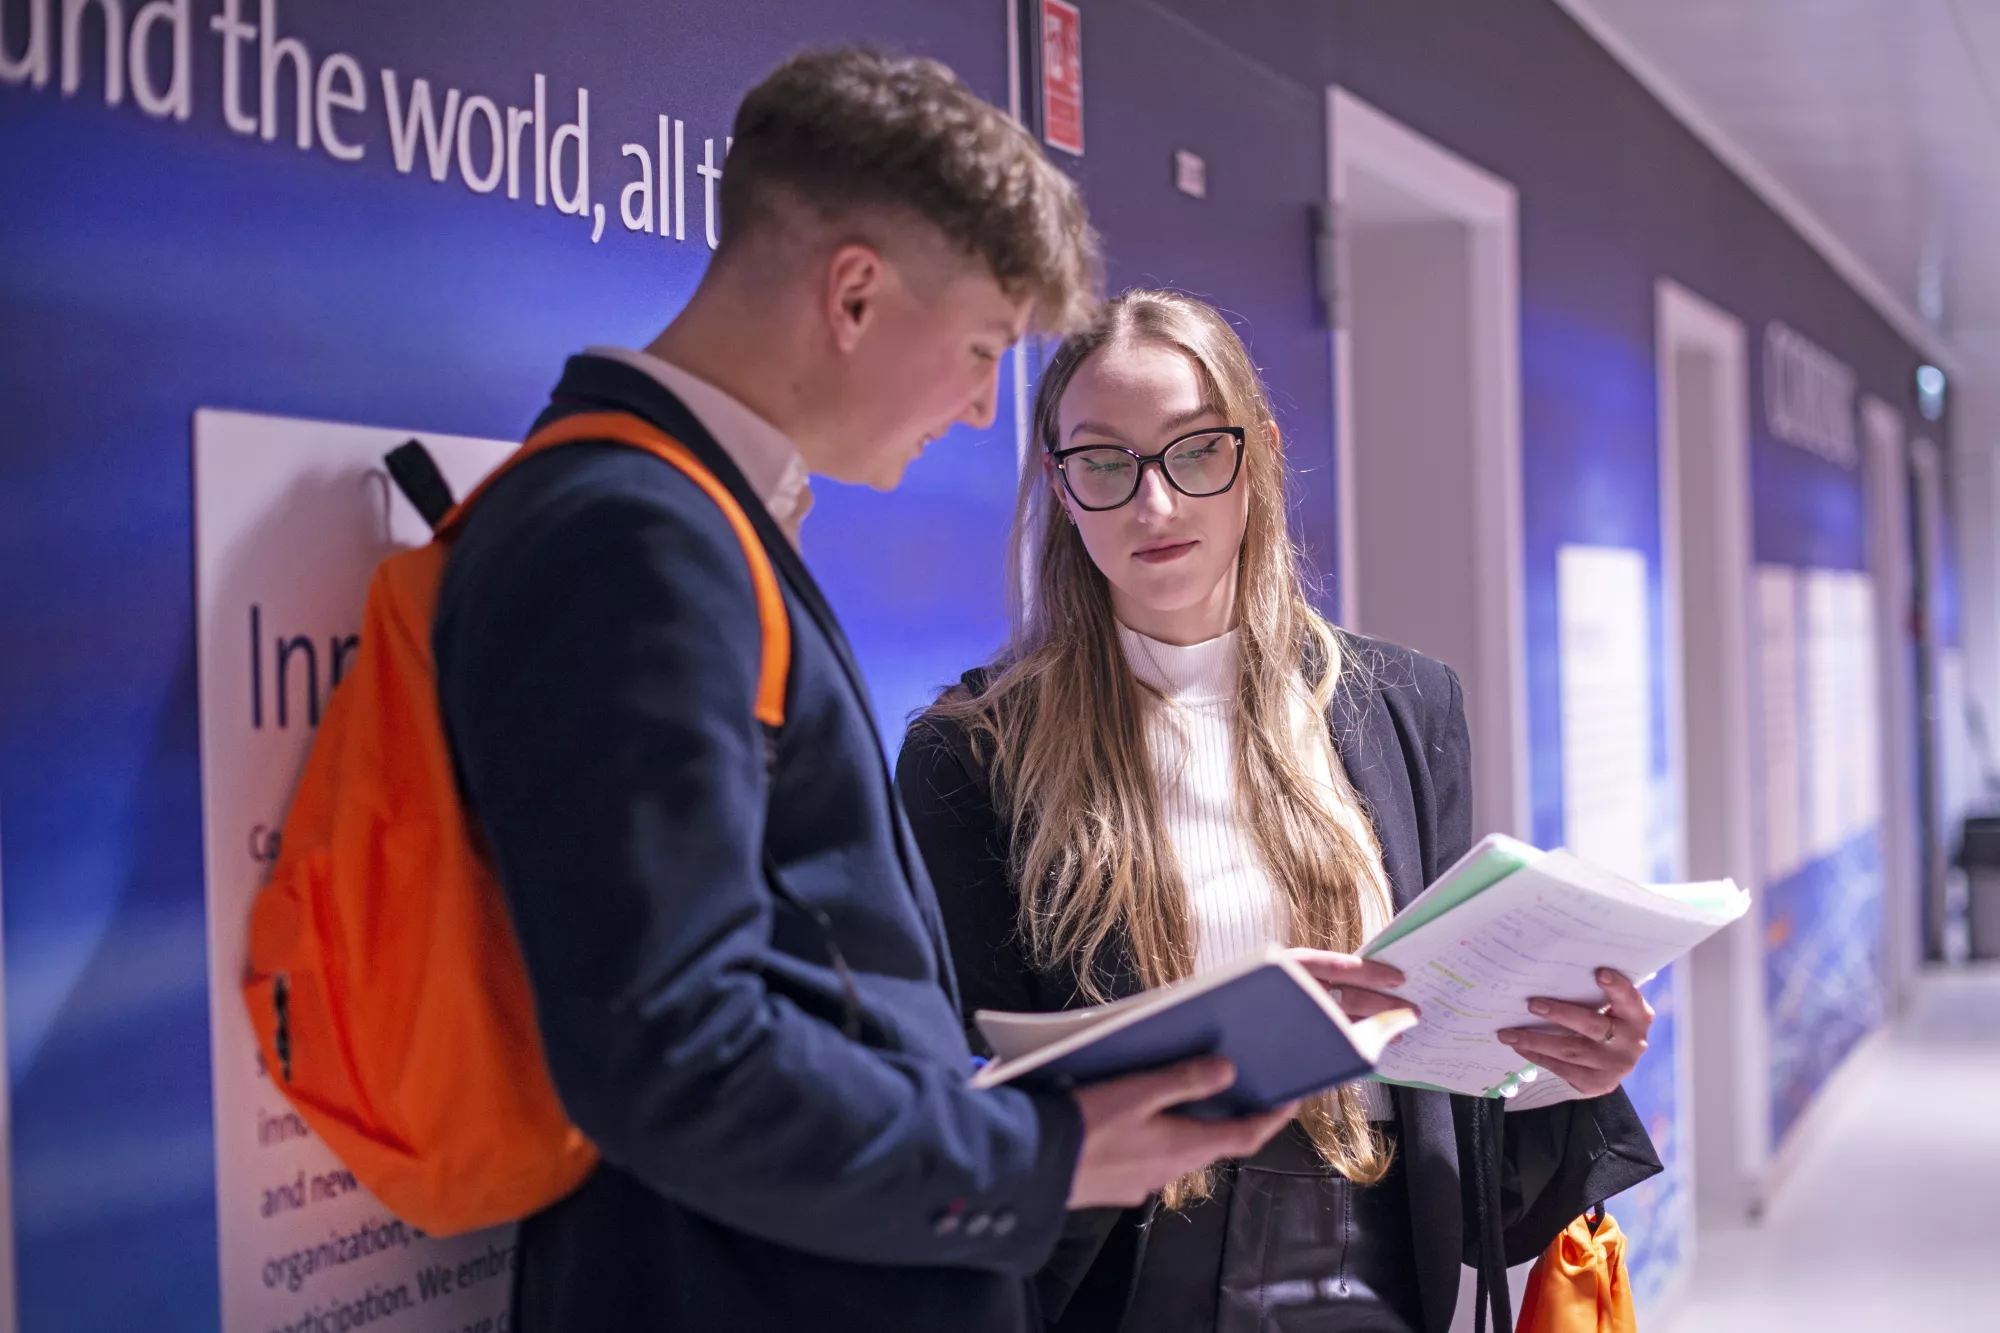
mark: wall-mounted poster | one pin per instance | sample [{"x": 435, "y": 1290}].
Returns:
[
  {"x": 1828, "y": 749},
  {"x": 1610, "y": 815},
  {"x": 1822, "y": 751},
  {"x": 1778, "y": 710},
  {"x": 1861, "y": 795},
  {"x": 1607, "y": 707},
  {"x": 290, "y": 519}
]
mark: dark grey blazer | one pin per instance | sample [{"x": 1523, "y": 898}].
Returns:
[{"x": 1398, "y": 723}]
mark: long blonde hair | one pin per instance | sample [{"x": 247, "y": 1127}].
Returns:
[{"x": 1063, "y": 719}]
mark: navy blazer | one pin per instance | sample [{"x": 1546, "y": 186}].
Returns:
[
  {"x": 597, "y": 647},
  {"x": 1398, "y": 723}
]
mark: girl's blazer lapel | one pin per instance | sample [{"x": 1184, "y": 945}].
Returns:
[{"x": 1371, "y": 743}]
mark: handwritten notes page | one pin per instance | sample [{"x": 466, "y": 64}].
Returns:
[{"x": 1542, "y": 931}]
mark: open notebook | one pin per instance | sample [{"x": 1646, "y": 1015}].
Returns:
[{"x": 1263, "y": 1011}]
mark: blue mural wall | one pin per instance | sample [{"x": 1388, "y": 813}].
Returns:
[
  {"x": 152, "y": 265},
  {"x": 149, "y": 266},
  {"x": 1822, "y": 970}
]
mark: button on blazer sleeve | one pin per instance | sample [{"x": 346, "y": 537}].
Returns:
[
  {"x": 598, "y": 688},
  {"x": 966, "y": 845}
]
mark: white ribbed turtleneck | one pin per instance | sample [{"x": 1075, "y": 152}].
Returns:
[{"x": 1235, "y": 905}]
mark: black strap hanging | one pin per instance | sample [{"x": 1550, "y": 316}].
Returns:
[
  {"x": 416, "y": 475},
  {"x": 1489, "y": 1128}
]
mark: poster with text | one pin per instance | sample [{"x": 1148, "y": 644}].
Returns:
[
  {"x": 1607, "y": 700},
  {"x": 291, "y": 518},
  {"x": 1822, "y": 753},
  {"x": 1778, "y": 713},
  {"x": 1611, "y": 816},
  {"x": 1828, "y": 722}
]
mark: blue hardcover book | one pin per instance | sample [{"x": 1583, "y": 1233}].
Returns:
[{"x": 1264, "y": 1012}]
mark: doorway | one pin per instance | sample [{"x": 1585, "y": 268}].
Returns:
[
  {"x": 1427, "y": 392},
  {"x": 1706, "y": 555}
]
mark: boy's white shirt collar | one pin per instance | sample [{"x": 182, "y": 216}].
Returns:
[{"x": 765, "y": 455}]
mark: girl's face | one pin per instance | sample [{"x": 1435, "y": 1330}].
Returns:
[{"x": 1170, "y": 558}]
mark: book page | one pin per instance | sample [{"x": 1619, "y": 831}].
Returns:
[
  {"x": 1494, "y": 858},
  {"x": 1014, "y": 1036},
  {"x": 1543, "y": 931}
]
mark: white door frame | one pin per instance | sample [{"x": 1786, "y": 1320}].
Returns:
[
  {"x": 1725, "y": 1065},
  {"x": 1927, "y": 482},
  {"x": 1362, "y": 138},
  {"x": 1889, "y": 564}
]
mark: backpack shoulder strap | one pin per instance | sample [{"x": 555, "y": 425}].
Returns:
[{"x": 627, "y": 429}]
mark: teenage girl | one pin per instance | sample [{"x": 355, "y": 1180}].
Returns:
[{"x": 1176, "y": 760}]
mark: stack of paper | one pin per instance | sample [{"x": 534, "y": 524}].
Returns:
[{"x": 1509, "y": 923}]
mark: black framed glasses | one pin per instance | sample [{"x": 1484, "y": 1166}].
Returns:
[{"x": 1199, "y": 464}]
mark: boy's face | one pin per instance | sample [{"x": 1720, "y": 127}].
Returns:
[{"x": 921, "y": 347}]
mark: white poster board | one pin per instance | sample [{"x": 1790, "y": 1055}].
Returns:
[
  {"x": 290, "y": 519},
  {"x": 1843, "y": 741},
  {"x": 1861, "y": 793},
  {"x": 1778, "y": 711},
  {"x": 1607, "y": 707}
]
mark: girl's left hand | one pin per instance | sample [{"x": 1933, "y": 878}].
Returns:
[{"x": 1596, "y": 1049}]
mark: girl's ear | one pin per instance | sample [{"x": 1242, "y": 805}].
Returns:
[
  {"x": 1055, "y": 484},
  {"x": 1277, "y": 436}
]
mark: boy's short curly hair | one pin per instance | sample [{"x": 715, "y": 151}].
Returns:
[{"x": 846, "y": 131}]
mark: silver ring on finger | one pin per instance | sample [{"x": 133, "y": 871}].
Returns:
[{"x": 1610, "y": 1029}]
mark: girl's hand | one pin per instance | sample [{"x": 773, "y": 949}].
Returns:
[
  {"x": 1596, "y": 1048},
  {"x": 1356, "y": 983}
]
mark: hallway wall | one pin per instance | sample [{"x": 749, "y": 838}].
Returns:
[{"x": 149, "y": 267}]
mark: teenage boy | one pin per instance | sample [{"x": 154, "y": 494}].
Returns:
[{"x": 737, "y": 960}]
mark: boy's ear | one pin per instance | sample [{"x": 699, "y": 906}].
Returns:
[{"x": 854, "y": 280}]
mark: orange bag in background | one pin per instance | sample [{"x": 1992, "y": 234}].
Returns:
[{"x": 1580, "y": 1285}]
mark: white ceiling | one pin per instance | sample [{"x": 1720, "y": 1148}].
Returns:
[{"x": 1873, "y": 124}]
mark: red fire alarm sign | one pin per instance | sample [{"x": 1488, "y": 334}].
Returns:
[{"x": 1062, "y": 76}]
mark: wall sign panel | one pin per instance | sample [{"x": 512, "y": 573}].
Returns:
[{"x": 291, "y": 518}]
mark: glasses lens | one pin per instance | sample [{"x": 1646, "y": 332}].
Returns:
[
  {"x": 1100, "y": 478},
  {"x": 1203, "y": 464}
]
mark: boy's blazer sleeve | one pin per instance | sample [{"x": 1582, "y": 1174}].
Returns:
[
  {"x": 965, "y": 843},
  {"x": 599, "y": 694}
]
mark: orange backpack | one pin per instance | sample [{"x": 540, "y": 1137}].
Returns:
[{"x": 384, "y": 981}]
